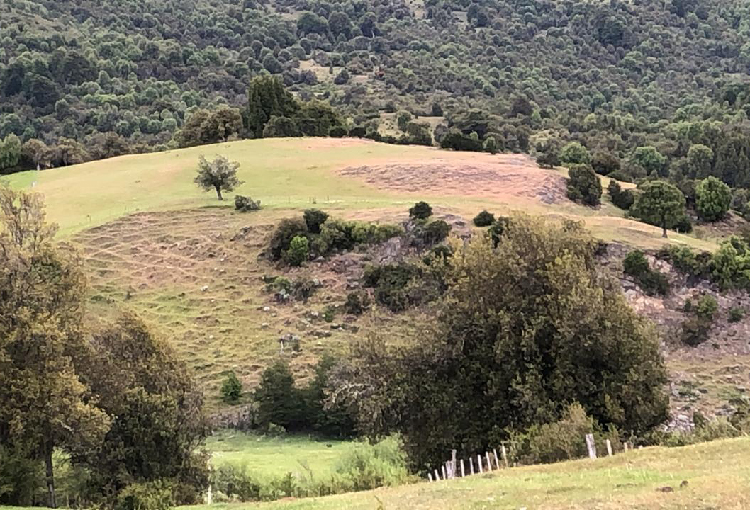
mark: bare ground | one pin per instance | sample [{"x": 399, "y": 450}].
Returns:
[{"x": 506, "y": 177}]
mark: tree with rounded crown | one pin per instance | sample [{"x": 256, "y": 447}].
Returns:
[
  {"x": 219, "y": 174},
  {"x": 660, "y": 203}
]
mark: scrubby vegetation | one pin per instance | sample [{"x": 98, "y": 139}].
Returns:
[
  {"x": 650, "y": 280},
  {"x": 481, "y": 319}
]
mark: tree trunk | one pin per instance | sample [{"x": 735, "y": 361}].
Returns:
[
  {"x": 664, "y": 227},
  {"x": 51, "y": 498},
  {"x": 218, "y": 193}
]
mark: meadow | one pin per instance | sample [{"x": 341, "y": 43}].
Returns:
[{"x": 706, "y": 476}]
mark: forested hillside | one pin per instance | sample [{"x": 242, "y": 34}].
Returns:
[{"x": 93, "y": 79}]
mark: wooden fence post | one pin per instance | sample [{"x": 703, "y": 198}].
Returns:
[
  {"x": 437, "y": 475},
  {"x": 454, "y": 464},
  {"x": 625, "y": 444},
  {"x": 505, "y": 456},
  {"x": 489, "y": 462},
  {"x": 429, "y": 476},
  {"x": 445, "y": 477},
  {"x": 590, "y": 446},
  {"x": 497, "y": 461},
  {"x": 462, "y": 468},
  {"x": 609, "y": 448},
  {"x": 471, "y": 465},
  {"x": 479, "y": 462}
]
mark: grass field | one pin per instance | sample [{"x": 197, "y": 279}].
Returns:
[
  {"x": 276, "y": 456},
  {"x": 717, "y": 477}
]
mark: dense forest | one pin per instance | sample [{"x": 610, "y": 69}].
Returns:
[{"x": 91, "y": 79}]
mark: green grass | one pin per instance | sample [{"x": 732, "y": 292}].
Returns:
[
  {"x": 276, "y": 456},
  {"x": 717, "y": 476}
]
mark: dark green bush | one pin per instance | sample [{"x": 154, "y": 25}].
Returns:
[
  {"x": 695, "y": 329},
  {"x": 497, "y": 230},
  {"x": 620, "y": 198},
  {"x": 430, "y": 234},
  {"x": 605, "y": 163},
  {"x": 314, "y": 219},
  {"x": 155, "y": 495},
  {"x": 391, "y": 284},
  {"x": 231, "y": 389},
  {"x": 235, "y": 482},
  {"x": 652, "y": 282},
  {"x": 706, "y": 307},
  {"x": 286, "y": 230},
  {"x": 357, "y": 302},
  {"x": 584, "y": 185},
  {"x": 420, "y": 211},
  {"x": 484, "y": 219}
]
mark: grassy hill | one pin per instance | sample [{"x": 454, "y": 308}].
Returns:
[
  {"x": 155, "y": 243},
  {"x": 717, "y": 476}
]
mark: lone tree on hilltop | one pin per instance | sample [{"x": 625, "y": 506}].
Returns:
[{"x": 219, "y": 174}]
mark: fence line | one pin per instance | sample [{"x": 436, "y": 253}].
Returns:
[{"x": 456, "y": 468}]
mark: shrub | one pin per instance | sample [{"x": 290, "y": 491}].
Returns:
[
  {"x": 337, "y": 131},
  {"x": 456, "y": 140},
  {"x": 234, "y": 481},
  {"x": 286, "y": 230},
  {"x": 245, "y": 204},
  {"x": 314, "y": 219},
  {"x": 584, "y": 185},
  {"x": 279, "y": 401},
  {"x": 575, "y": 154},
  {"x": 712, "y": 199},
  {"x": 420, "y": 211},
  {"x": 605, "y": 163},
  {"x": 155, "y": 495},
  {"x": 484, "y": 219},
  {"x": 231, "y": 389},
  {"x": 636, "y": 265},
  {"x": 391, "y": 282},
  {"x": 620, "y": 198},
  {"x": 430, "y": 234},
  {"x": 490, "y": 145},
  {"x": 706, "y": 307},
  {"x": 303, "y": 288},
  {"x": 685, "y": 260},
  {"x": 498, "y": 229},
  {"x": 695, "y": 329},
  {"x": 368, "y": 466},
  {"x": 561, "y": 440},
  {"x": 736, "y": 314},
  {"x": 298, "y": 252},
  {"x": 730, "y": 264},
  {"x": 357, "y": 302}
]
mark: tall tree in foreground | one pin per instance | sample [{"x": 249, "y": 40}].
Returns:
[
  {"x": 159, "y": 425},
  {"x": 660, "y": 203},
  {"x": 526, "y": 329},
  {"x": 43, "y": 404},
  {"x": 219, "y": 174}
]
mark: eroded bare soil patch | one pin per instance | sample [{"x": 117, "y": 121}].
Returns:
[{"x": 504, "y": 177}]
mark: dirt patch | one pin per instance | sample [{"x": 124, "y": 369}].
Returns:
[{"x": 505, "y": 177}]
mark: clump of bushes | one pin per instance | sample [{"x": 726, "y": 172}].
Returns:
[
  {"x": 685, "y": 260},
  {"x": 730, "y": 264},
  {"x": 637, "y": 266},
  {"x": 245, "y": 204},
  {"x": 156, "y": 495},
  {"x": 430, "y": 233},
  {"x": 621, "y": 198},
  {"x": 561, "y": 440},
  {"x": 584, "y": 185},
  {"x": 295, "y": 240},
  {"x": 392, "y": 284},
  {"x": 484, "y": 219},
  {"x": 695, "y": 328}
]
